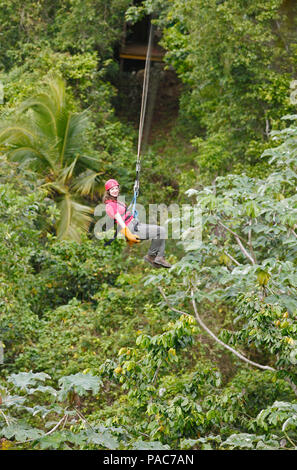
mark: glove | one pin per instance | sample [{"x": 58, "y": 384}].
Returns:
[{"x": 131, "y": 239}]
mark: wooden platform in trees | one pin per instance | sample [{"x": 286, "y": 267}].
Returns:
[{"x": 138, "y": 52}]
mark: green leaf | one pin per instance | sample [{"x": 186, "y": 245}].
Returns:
[
  {"x": 79, "y": 383},
  {"x": 146, "y": 445},
  {"x": 43, "y": 410},
  {"x": 104, "y": 439},
  {"x": 54, "y": 440},
  {"x": 22, "y": 380},
  {"x": 21, "y": 432}
]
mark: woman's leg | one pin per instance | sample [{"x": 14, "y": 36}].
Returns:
[{"x": 155, "y": 233}]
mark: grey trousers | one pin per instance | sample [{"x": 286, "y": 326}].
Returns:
[{"x": 155, "y": 233}]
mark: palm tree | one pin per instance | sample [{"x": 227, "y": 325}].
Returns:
[{"x": 49, "y": 138}]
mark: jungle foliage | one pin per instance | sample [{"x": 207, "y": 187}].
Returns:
[
  {"x": 101, "y": 352},
  {"x": 233, "y": 57}
]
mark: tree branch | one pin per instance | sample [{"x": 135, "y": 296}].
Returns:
[
  {"x": 231, "y": 231},
  {"x": 250, "y": 242},
  {"x": 5, "y": 417},
  {"x": 170, "y": 306},
  {"x": 231, "y": 257},
  {"x": 237, "y": 238},
  {"x": 243, "y": 358},
  {"x": 267, "y": 128},
  {"x": 46, "y": 434},
  {"x": 156, "y": 374},
  {"x": 205, "y": 328},
  {"x": 84, "y": 419}
]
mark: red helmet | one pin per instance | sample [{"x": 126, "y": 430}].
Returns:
[{"x": 110, "y": 183}]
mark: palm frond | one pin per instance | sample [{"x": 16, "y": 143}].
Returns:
[
  {"x": 74, "y": 218},
  {"x": 65, "y": 138},
  {"x": 31, "y": 157},
  {"x": 67, "y": 172},
  {"x": 44, "y": 117},
  {"x": 22, "y": 145},
  {"x": 14, "y": 133},
  {"x": 48, "y": 108},
  {"x": 58, "y": 91},
  {"x": 85, "y": 183},
  {"x": 71, "y": 128},
  {"x": 88, "y": 162},
  {"x": 55, "y": 186},
  {"x": 64, "y": 224},
  {"x": 46, "y": 136}
]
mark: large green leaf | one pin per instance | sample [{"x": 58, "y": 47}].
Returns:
[
  {"x": 103, "y": 439},
  {"x": 79, "y": 383},
  {"x": 146, "y": 445},
  {"x": 23, "y": 380},
  {"x": 21, "y": 432},
  {"x": 74, "y": 218},
  {"x": 60, "y": 438},
  {"x": 85, "y": 183}
]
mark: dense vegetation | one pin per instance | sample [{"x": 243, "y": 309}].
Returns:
[{"x": 100, "y": 350}]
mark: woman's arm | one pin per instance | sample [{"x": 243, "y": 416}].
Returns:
[
  {"x": 120, "y": 220},
  {"x": 129, "y": 236}
]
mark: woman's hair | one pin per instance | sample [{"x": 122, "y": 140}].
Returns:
[{"x": 108, "y": 197}]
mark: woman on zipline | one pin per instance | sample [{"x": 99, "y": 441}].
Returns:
[{"x": 134, "y": 230}]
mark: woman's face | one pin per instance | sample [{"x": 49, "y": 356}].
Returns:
[{"x": 114, "y": 191}]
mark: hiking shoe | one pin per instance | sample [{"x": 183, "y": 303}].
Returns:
[
  {"x": 159, "y": 260},
  {"x": 151, "y": 259}
]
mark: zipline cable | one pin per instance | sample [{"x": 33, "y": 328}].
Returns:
[
  {"x": 145, "y": 91},
  {"x": 145, "y": 88},
  {"x": 141, "y": 127}
]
